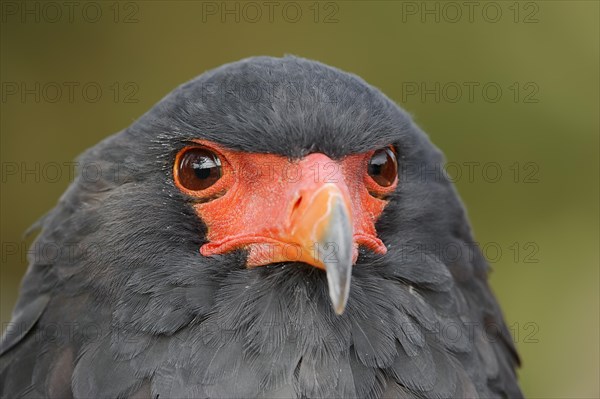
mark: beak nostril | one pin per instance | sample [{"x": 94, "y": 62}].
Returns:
[
  {"x": 297, "y": 204},
  {"x": 294, "y": 211}
]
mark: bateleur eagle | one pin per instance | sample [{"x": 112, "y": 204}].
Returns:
[{"x": 273, "y": 228}]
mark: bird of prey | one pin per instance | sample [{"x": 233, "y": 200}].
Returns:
[{"x": 273, "y": 228}]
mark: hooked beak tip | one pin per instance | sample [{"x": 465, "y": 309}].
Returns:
[
  {"x": 338, "y": 279},
  {"x": 338, "y": 264}
]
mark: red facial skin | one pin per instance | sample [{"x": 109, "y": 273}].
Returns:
[{"x": 277, "y": 209}]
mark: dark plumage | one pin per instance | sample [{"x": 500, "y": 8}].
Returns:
[{"x": 134, "y": 310}]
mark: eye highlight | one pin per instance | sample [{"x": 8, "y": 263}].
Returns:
[
  {"x": 383, "y": 167},
  {"x": 197, "y": 168}
]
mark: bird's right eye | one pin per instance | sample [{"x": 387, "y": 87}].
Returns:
[{"x": 197, "y": 168}]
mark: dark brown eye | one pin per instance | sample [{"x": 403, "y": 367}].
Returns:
[
  {"x": 198, "y": 169},
  {"x": 383, "y": 167}
]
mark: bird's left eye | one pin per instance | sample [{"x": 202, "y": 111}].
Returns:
[
  {"x": 383, "y": 167},
  {"x": 197, "y": 169}
]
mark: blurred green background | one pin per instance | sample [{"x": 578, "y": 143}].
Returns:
[{"x": 538, "y": 221}]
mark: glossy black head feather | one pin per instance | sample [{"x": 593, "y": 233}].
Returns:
[{"x": 155, "y": 316}]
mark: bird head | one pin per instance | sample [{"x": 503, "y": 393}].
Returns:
[{"x": 266, "y": 178}]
